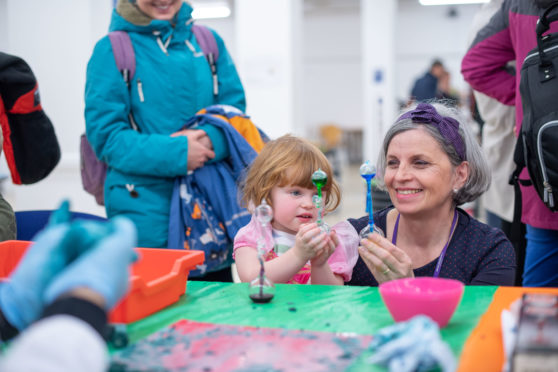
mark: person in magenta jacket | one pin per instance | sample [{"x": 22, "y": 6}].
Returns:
[{"x": 509, "y": 36}]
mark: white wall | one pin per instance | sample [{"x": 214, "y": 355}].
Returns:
[
  {"x": 225, "y": 28},
  {"x": 331, "y": 85},
  {"x": 4, "y": 29},
  {"x": 56, "y": 38},
  {"x": 268, "y": 62},
  {"x": 426, "y": 32}
]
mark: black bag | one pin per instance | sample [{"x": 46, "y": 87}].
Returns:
[
  {"x": 30, "y": 144},
  {"x": 537, "y": 145}
]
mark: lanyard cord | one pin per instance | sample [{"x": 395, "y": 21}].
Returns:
[{"x": 443, "y": 254}]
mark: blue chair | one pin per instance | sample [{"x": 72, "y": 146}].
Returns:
[{"x": 29, "y": 223}]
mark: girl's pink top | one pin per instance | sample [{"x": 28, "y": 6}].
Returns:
[{"x": 341, "y": 262}]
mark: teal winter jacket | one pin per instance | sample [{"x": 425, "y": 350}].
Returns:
[{"x": 171, "y": 83}]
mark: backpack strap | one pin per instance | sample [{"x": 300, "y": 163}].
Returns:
[
  {"x": 517, "y": 230},
  {"x": 209, "y": 47},
  {"x": 519, "y": 160},
  {"x": 123, "y": 54},
  {"x": 125, "y": 58}
]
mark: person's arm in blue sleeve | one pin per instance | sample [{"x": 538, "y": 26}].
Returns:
[
  {"x": 107, "y": 104},
  {"x": 218, "y": 140}
]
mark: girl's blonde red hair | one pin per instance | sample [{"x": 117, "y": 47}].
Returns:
[{"x": 288, "y": 160}]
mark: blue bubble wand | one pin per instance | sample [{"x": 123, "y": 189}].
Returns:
[{"x": 368, "y": 172}]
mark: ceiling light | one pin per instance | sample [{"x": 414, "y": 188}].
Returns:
[
  {"x": 210, "y": 10},
  {"x": 451, "y": 2}
]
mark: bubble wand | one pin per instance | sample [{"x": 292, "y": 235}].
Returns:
[
  {"x": 319, "y": 179},
  {"x": 262, "y": 289},
  {"x": 368, "y": 171}
]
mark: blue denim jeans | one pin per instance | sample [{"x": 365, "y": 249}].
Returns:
[{"x": 541, "y": 258}]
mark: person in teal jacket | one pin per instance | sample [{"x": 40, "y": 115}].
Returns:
[{"x": 171, "y": 83}]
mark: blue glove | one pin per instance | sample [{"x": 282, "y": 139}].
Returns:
[
  {"x": 61, "y": 215},
  {"x": 21, "y": 297},
  {"x": 104, "y": 268}
]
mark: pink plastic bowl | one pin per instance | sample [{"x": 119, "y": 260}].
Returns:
[{"x": 435, "y": 297}]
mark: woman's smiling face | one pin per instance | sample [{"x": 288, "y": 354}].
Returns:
[
  {"x": 159, "y": 9},
  {"x": 418, "y": 175}
]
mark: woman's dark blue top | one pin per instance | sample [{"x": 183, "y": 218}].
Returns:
[{"x": 477, "y": 254}]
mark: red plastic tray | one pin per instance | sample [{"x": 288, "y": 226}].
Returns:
[{"x": 158, "y": 278}]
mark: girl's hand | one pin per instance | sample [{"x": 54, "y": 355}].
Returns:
[
  {"x": 384, "y": 260},
  {"x": 310, "y": 241},
  {"x": 321, "y": 258}
]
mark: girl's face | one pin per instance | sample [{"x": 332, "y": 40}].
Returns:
[
  {"x": 419, "y": 176},
  {"x": 292, "y": 207},
  {"x": 163, "y": 10}
]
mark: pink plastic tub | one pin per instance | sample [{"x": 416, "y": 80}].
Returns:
[{"x": 436, "y": 298}]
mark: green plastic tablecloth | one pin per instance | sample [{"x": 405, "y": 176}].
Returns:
[{"x": 358, "y": 310}]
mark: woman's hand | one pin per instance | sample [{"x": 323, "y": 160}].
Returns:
[
  {"x": 311, "y": 241},
  {"x": 200, "y": 148},
  {"x": 385, "y": 260}
]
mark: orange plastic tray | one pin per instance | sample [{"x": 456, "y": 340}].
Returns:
[{"x": 158, "y": 278}]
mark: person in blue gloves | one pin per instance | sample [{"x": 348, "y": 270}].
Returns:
[{"x": 61, "y": 291}]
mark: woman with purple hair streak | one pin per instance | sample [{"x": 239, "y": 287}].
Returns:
[{"x": 430, "y": 163}]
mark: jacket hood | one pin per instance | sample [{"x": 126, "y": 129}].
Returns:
[{"x": 126, "y": 17}]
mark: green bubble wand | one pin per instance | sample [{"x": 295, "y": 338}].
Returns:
[{"x": 319, "y": 179}]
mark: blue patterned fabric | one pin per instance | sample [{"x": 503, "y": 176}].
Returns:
[{"x": 213, "y": 188}]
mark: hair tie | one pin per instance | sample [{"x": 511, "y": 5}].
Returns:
[{"x": 448, "y": 127}]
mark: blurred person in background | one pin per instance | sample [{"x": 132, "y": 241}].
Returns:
[{"x": 426, "y": 87}]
